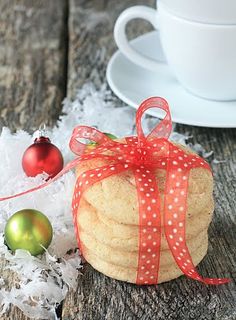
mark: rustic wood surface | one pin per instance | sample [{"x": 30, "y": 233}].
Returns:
[
  {"x": 90, "y": 45},
  {"x": 33, "y": 60}
]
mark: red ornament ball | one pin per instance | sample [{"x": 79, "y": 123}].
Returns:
[{"x": 42, "y": 156}]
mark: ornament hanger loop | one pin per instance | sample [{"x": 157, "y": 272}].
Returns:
[{"x": 42, "y": 132}]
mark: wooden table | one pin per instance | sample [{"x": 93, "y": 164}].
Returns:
[{"x": 48, "y": 49}]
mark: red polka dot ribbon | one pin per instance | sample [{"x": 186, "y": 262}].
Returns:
[{"x": 143, "y": 155}]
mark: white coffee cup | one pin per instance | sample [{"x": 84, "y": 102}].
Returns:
[
  {"x": 207, "y": 11},
  {"x": 201, "y": 56}
]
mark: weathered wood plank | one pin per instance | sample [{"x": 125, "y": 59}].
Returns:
[
  {"x": 90, "y": 39},
  {"x": 33, "y": 59},
  {"x": 33, "y": 45},
  {"x": 98, "y": 297}
]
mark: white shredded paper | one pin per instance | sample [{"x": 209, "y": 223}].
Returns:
[{"x": 42, "y": 282}]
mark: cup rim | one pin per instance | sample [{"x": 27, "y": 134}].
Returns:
[{"x": 186, "y": 20}]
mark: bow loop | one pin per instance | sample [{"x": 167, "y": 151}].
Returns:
[{"x": 163, "y": 129}]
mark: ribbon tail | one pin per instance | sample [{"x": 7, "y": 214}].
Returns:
[
  {"x": 67, "y": 168},
  {"x": 174, "y": 221},
  {"x": 72, "y": 164}
]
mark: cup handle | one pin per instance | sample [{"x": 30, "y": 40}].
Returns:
[{"x": 122, "y": 42}]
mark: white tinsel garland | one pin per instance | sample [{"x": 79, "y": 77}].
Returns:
[{"x": 42, "y": 282}]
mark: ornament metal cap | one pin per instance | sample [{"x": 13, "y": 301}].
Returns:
[
  {"x": 41, "y": 135},
  {"x": 42, "y": 139}
]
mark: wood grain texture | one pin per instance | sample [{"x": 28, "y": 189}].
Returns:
[
  {"x": 98, "y": 297},
  {"x": 33, "y": 45},
  {"x": 10, "y": 278},
  {"x": 33, "y": 58},
  {"x": 91, "y": 41}
]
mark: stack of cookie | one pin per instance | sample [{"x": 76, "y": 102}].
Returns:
[{"x": 108, "y": 219}]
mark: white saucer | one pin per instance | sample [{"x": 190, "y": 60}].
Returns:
[{"x": 133, "y": 84}]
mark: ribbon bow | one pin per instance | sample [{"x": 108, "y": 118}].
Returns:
[{"x": 143, "y": 155}]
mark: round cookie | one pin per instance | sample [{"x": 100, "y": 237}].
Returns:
[
  {"x": 116, "y": 196},
  {"x": 130, "y": 274},
  {"x": 125, "y": 237},
  {"x": 129, "y": 259}
]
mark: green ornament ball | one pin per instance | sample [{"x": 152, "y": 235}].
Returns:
[
  {"x": 28, "y": 229},
  {"x": 109, "y": 135}
]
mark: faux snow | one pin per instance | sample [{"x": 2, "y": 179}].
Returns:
[{"x": 42, "y": 282}]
